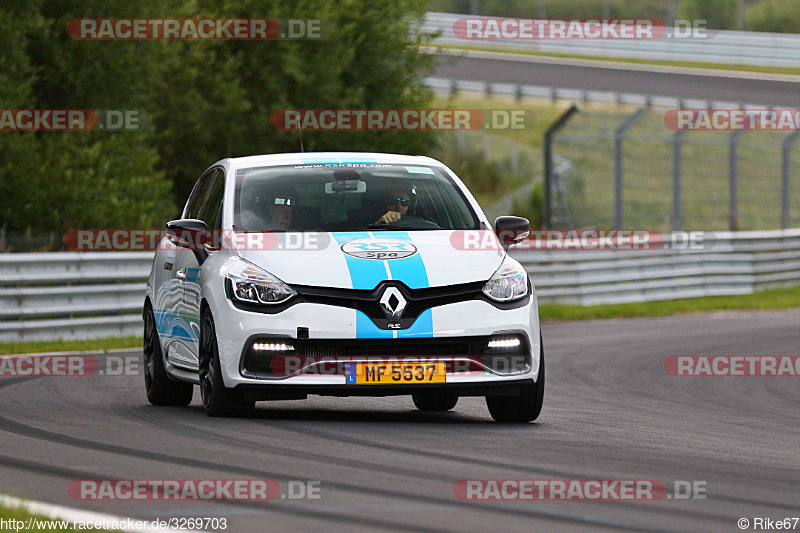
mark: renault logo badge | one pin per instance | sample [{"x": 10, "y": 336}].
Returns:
[{"x": 393, "y": 303}]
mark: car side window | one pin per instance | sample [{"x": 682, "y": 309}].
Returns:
[
  {"x": 210, "y": 213},
  {"x": 198, "y": 195}
]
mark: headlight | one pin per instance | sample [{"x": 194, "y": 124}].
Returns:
[
  {"x": 509, "y": 283},
  {"x": 250, "y": 284}
]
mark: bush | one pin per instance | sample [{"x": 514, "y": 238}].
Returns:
[
  {"x": 533, "y": 208},
  {"x": 481, "y": 177},
  {"x": 779, "y": 16},
  {"x": 720, "y": 14}
]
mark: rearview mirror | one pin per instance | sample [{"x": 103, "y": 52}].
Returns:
[
  {"x": 346, "y": 186},
  {"x": 511, "y": 230}
]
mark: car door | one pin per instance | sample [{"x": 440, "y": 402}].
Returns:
[
  {"x": 210, "y": 213},
  {"x": 182, "y": 348}
]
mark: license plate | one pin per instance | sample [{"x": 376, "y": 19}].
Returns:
[{"x": 394, "y": 373}]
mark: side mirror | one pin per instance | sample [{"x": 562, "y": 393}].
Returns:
[
  {"x": 511, "y": 230},
  {"x": 190, "y": 233}
]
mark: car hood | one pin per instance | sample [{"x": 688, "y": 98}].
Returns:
[{"x": 361, "y": 260}]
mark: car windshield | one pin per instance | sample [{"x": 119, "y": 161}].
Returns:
[{"x": 349, "y": 197}]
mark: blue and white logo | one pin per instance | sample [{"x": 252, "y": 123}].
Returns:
[{"x": 380, "y": 249}]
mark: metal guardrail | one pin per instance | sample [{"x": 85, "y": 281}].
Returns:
[
  {"x": 67, "y": 296},
  {"x": 737, "y": 263},
  {"x": 565, "y": 94},
  {"x": 728, "y": 47},
  {"x": 95, "y": 295}
]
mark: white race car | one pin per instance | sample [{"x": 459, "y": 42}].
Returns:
[{"x": 340, "y": 274}]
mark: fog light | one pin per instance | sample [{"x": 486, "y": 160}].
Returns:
[
  {"x": 272, "y": 347},
  {"x": 504, "y": 343}
]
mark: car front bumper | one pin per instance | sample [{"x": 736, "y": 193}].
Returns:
[{"x": 237, "y": 329}]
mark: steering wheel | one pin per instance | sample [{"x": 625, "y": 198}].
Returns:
[{"x": 409, "y": 221}]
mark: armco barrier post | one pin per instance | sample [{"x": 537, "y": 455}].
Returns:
[
  {"x": 619, "y": 137},
  {"x": 547, "y": 212},
  {"x": 787, "y": 158},
  {"x": 733, "y": 219},
  {"x": 677, "y": 140}
]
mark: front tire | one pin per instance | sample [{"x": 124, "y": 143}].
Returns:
[
  {"x": 217, "y": 399},
  {"x": 161, "y": 390},
  {"x": 435, "y": 401},
  {"x": 523, "y": 408}
]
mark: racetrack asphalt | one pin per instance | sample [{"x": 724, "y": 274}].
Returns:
[
  {"x": 611, "y": 412},
  {"x": 727, "y": 86}
]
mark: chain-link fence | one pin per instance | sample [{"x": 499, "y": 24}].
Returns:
[
  {"x": 627, "y": 169},
  {"x": 499, "y": 171}
]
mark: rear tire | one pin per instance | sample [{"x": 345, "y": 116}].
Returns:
[
  {"x": 217, "y": 399},
  {"x": 161, "y": 390},
  {"x": 435, "y": 400},
  {"x": 523, "y": 408}
]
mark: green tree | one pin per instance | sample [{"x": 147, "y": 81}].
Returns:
[
  {"x": 64, "y": 180},
  {"x": 774, "y": 16},
  {"x": 720, "y": 14},
  {"x": 215, "y": 99},
  {"x": 208, "y": 100},
  {"x": 17, "y": 150}
]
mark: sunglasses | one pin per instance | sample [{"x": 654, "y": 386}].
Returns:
[{"x": 402, "y": 201}]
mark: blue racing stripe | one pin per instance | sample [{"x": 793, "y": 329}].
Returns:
[
  {"x": 409, "y": 270},
  {"x": 358, "y": 159},
  {"x": 364, "y": 273},
  {"x": 318, "y": 160},
  {"x": 366, "y": 328},
  {"x": 368, "y": 273},
  {"x": 422, "y": 327}
]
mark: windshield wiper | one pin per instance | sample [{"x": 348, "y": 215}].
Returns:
[
  {"x": 389, "y": 227},
  {"x": 361, "y": 228}
]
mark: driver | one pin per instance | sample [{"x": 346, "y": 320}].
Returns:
[
  {"x": 397, "y": 202},
  {"x": 279, "y": 208}
]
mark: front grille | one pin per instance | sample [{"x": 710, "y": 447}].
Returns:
[
  {"x": 366, "y": 301},
  {"x": 393, "y": 347},
  {"x": 263, "y": 364}
]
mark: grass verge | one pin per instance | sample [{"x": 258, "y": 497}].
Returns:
[
  {"x": 784, "y": 298},
  {"x": 689, "y": 64},
  {"x": 8, "y": 348}
]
